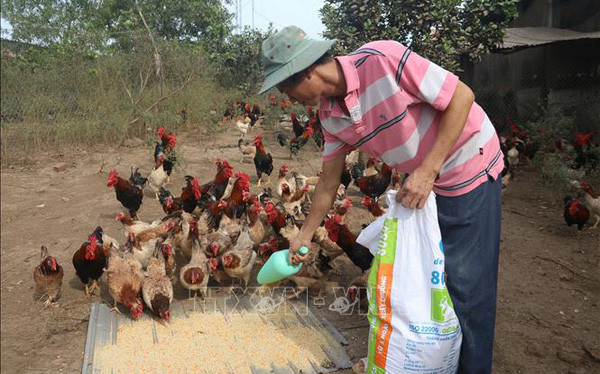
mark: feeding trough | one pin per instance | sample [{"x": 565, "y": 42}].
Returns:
[{"x": 224, "y": 334}]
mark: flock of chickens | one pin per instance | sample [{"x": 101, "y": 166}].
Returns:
[
  {"x": 217, "y": 230},
  {"x": 221, "y": 230},
  {"x": 581, "y": 154}
]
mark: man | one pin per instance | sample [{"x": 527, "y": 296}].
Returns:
[{"x": 419, "y": 118}]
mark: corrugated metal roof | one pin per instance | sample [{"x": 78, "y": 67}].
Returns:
[{"x": 524, "y": 37}]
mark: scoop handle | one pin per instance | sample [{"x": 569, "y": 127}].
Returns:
[{"x": 303, "y": 250}]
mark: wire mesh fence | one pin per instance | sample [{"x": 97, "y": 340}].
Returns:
[{"x": 561, "y": 79}]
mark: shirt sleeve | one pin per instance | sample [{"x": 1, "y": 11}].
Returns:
[
  {"x": 422, "y": 78},
  {"x": 334, "y": 147}
]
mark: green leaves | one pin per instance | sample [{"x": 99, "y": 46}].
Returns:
[{"x": 445, "y": 31}]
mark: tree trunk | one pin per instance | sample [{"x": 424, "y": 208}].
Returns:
[{"x": 157, "y": 58}]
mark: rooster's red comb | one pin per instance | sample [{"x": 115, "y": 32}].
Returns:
[{"x": 242, "y": 176}]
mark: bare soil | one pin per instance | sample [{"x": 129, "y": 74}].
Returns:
[{"x": 548, "y": 316}]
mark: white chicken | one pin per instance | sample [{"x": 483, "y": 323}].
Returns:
[
  {"x": 243, "y": 125},
  {"x": 592, "y": 200},
  {"x": 158, "y": 177}
]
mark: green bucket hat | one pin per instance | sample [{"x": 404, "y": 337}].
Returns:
[{"x": 289, "y": 52}]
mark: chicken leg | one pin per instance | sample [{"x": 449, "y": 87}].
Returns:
[
  {"x": 116, "y": 308},
  {"x": 94, "y": 286}
]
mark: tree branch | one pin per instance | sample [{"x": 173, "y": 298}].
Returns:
[{"x": 161, "y": 99}]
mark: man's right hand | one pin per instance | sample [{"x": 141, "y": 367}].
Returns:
[
  {"x": 322, "y": 200},
  {"x": 294, "y": 257}
]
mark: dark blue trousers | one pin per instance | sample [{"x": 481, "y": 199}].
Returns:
[{"x": 470, "y": 226}]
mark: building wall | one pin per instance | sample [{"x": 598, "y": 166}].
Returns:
[{"x": 563, "y": 76}]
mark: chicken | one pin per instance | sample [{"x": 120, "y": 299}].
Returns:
[
  {"x": 592, "y": 200},
  {"x": 375, "y": 185},
  {"x": 142, "y": 244},
  {"x": 125, "y": 277},
  {"x": 275, "y": 243},
  {"x": 281, "y": 179},
  {"x": 353, "y": 157},
  {"x": 168, "y": 140},
  {"x": 169, "y": 161},
  {"x": 329, "y": 248},
  {"x": 168, "y": 202},
  {"x": 346, "y": 178},
  {"x": 48, "y": 276},
  {"x": 238, "y": 261},
  {"x": 247, "y": 150},
  {"x": 211, "y": 217},
  {"x": 575, "y": 213},
  {"x": 259, "y": 230},
  {"x": 157, "y": 289},
  {"x": 137, "y": 179},
  {"x": 170, "y": 266},
  {"x": 186, "y": 243},
  {"x": 298, "y": 181},
  {"x": 232, "y": 226},
  {"x": 373, "y": 207},
  {"x": 288, "y": 197},
  {"x": 297, "y": 143},
  {"x": 133, "y": 226},
  {"x": 263, "y": 161},
  {"x": 215, "y": 189},
  {"x": 128, "y": 195},
  {"x": 293, "y": 204},
  {"x": 190, "y": 194},
  {"x": 256, "y": 110},
  {"x": 108, "y": 242},
  {"x": 194, "y": 276},
  {"x": 275, "y": 217},
  {"x": 313, "y": 275},
  {"x": 290, "y": 230},
  {"x": 236, "y": 204},
  {"x": 296, "y": 125},
  {"x": 218, "y": 243},
  {"x": 586, "y": 155},
  {"x": 357, "y": 292},
  {"x": 339, "y": 233},
  {"x": 243, "y": 125},
  {"x": 89, "y": 261},
  {"x": 158, "y": 176},
  {"x": 342, "y": 208}
]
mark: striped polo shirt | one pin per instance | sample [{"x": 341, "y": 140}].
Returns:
[{"x": 395, "y": 98}]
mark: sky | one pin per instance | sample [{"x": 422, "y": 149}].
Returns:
[{"x": 304, "y": 14}]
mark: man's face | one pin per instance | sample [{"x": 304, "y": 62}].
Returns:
[{"x": 301, "y": 88}]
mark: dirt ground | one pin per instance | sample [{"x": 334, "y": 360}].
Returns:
[{"x": 548, "y": 316}]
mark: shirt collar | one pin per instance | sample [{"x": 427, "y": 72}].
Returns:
[{"x": 329, "y": 104}]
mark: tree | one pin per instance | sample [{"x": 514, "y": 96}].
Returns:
[
  {"x": 98, "y": 24},
  {"x": 240, "y": 63},
  {"x": 453, "y": 33}
]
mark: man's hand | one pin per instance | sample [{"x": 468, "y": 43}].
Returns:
[
  {"x": 295, "y": 258},
  {"x": 416, "y": 188}
]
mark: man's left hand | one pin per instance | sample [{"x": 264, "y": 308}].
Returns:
[{"x": 416, "y": 188}]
